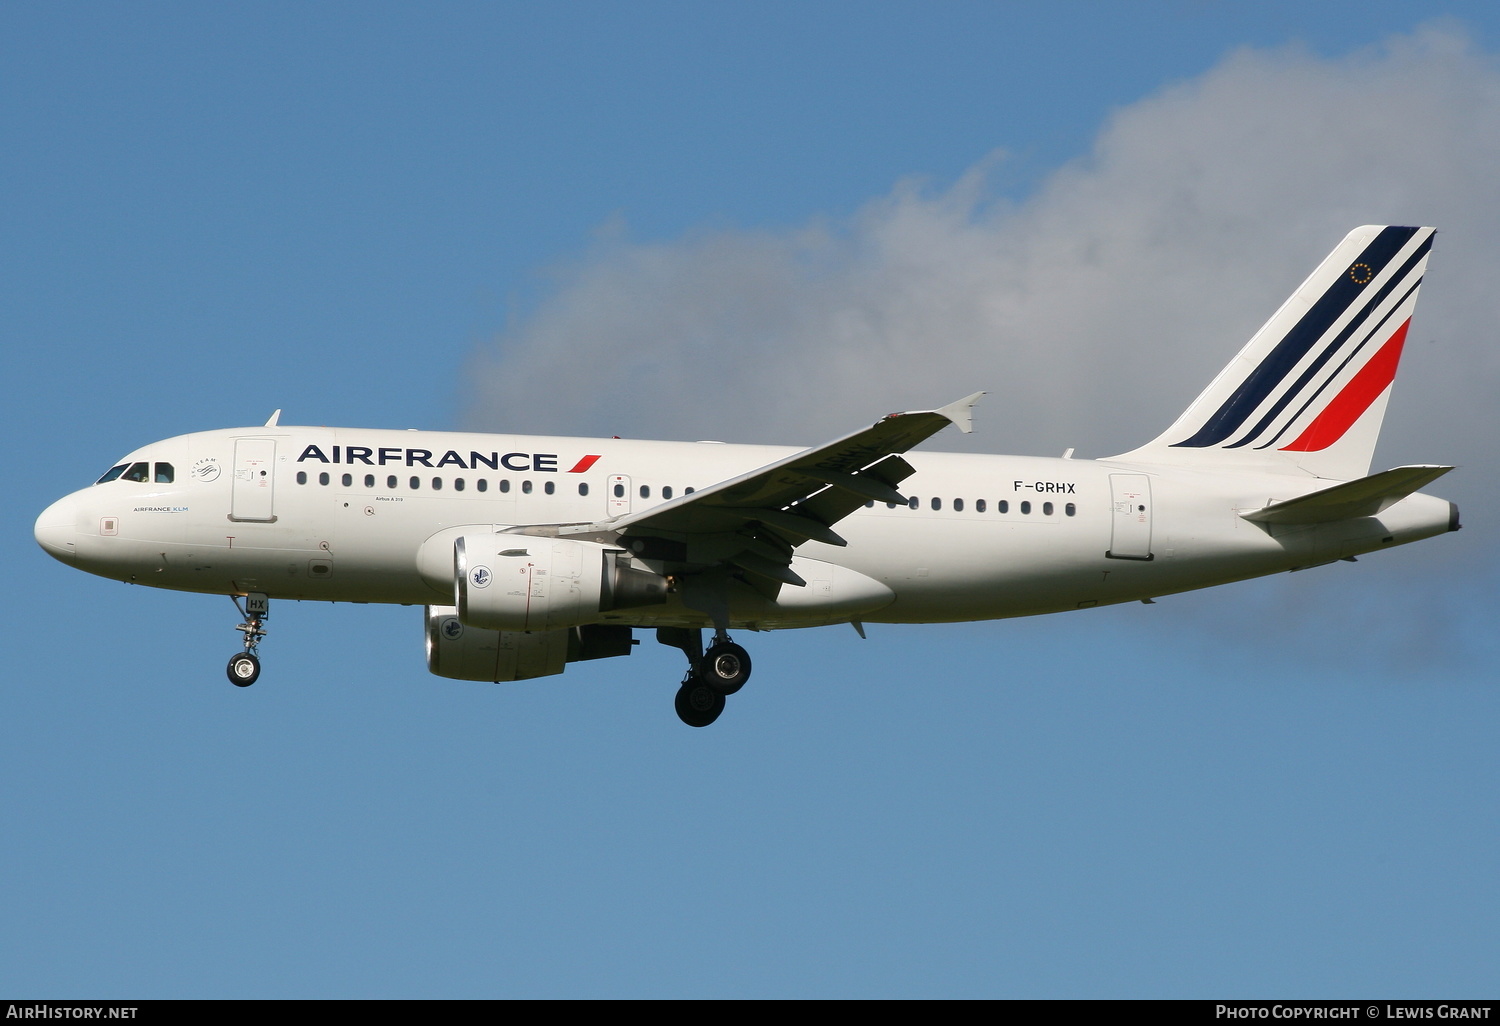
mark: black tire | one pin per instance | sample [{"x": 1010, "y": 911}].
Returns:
[
  {"x": 243, "y": 670},
  {"x": 698, "y": 705},
  {"x": 725, "y": 667}
]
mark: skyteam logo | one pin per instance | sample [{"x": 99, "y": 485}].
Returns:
[
  {"x": 480, "y": 577},
  {"x": 452, "y": 629}
]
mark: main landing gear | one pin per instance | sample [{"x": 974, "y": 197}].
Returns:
[
  {"x": 711, "y": 676},
  {"x": 244, "y": 667}
]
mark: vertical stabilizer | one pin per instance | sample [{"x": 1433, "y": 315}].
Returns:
[{"x": 1309, "y": 389}]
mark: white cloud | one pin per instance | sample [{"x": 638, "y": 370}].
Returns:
[{"x": 1093, "y": 311}]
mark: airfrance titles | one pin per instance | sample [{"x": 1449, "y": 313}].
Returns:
[{"x": 380, "y": 456}]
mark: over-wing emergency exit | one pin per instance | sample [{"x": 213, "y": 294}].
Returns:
[{"x": 530, "y": 552}]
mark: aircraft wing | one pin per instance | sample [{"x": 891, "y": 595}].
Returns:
[{"x": 756, "y": 519}]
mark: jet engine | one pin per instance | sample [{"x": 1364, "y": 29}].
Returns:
[
  {"x": 473, "y": 653},
  {"x": 509, "y": 582}
]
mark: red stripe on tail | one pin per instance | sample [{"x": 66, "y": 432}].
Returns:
[{"x": 1365, "y": 387}]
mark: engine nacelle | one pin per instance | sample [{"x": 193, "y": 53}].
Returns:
[
  {"x": 473, "y": 653},
  {"x": 510, "y": 582}
]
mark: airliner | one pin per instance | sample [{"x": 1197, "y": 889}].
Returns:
[{"x": 531, "y": 552}]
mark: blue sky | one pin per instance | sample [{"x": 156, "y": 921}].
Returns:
[{"x": 588, "y": 218}]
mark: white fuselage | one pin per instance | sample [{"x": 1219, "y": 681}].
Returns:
[{"x": 353, "y": 515}]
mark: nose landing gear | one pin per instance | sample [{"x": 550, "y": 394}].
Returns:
[
  {"x": 244, "y": 667},
  {"x": 711, "y": 675}
]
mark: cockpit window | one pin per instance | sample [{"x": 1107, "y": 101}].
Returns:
[
  {"x": 137, "y": 472},
  {"x": 114, "y": 472},
  {"x": 164, "y": 473}
]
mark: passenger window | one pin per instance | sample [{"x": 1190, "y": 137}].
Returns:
[
  {"x": 390, "y": 482},
  {"x": 458, "y": 484},
  {"x": 437, "y": 484},
  {"x": 505, "y": 484},
  {"x": 1047, "y": 508},
  {"x": 164, "y": 473},
  {"x": 481, "y": 484},
  {"x": 978, "y": 505},
  {"x": 958, "y": 505},
  {"x": 1070, "y": 509},
  {"x": 549, "y": 487},
  {"x": 137, "y": 472},
  {"x": 583, "y": 488},
  {"x": 869, "y": 504},
  {"x": 687, "y": 491},
  {"x": 323, "y": 478},
  {"x": 645, "y": 491},
  {"x": 369, "y": 480},
  {"x": 914, "y": 502},
  {"x": 416, "y": 482},
  {"x": 348, "y": 480},
  {"x": 1004, "y": 506},
  {"x": 112, "y": 473},
  {"x": 619, "y": 491},
  {"x": 526, "y": 487},
  {"x": 937, "y": 503},
  {"x": 302, "y": 477},
  {"x": 1026, "y": 506}
]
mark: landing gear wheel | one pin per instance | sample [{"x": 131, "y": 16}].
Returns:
[
  {"x": 725, "y": 667},
  {"x": 698, "y": 705},
  {"x": 243, "y": 669}
]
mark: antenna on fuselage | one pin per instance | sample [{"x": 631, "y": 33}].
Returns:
[{"x": 274, "y": 418}]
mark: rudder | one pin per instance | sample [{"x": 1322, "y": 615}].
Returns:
[{"x": 1310, "y": 387}]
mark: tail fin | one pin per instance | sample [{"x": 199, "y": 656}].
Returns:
[{"x": 1309, "y": 389}]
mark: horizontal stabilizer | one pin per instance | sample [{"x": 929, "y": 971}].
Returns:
[{"x": 1363, "y": 498}]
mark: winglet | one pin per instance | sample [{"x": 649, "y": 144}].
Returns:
[
  {"x": 961, "y": 413},
  {"x": 274, "y": 418}
]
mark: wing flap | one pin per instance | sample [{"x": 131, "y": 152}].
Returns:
[
  {"x": 768, "y": 568},
  {"x": 792, "y": 525}
]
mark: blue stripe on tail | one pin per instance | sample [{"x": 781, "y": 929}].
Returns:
[{"x": 1298, "y": 341}]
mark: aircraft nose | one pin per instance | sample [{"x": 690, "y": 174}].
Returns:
[{"x": 57, "y": 530}]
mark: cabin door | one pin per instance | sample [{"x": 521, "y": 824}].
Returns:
[
  {"x": 254, "y": 480},
  {"x": 1130, "y": 534}
]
